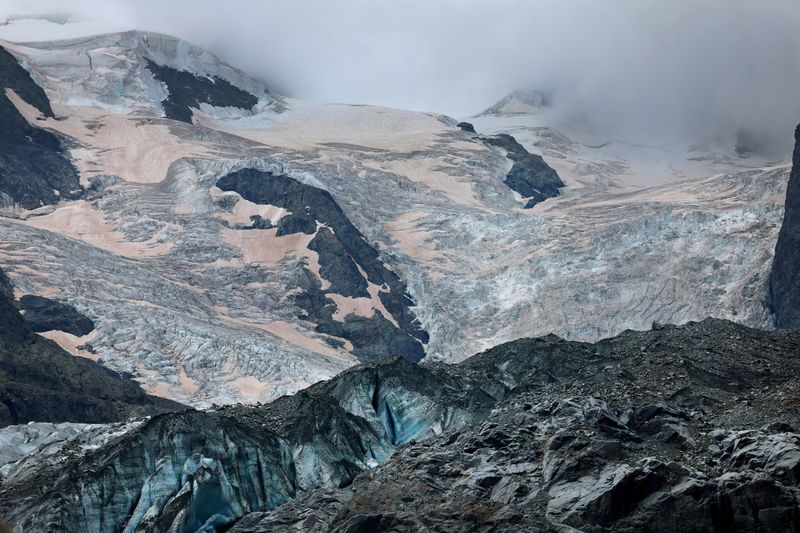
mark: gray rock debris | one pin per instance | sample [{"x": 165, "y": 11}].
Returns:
[{"x": 537, "y": 433}]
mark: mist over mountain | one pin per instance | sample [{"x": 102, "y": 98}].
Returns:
[
  {"x": 537, "y": 269},
  {"x": 717, "y": 71}
]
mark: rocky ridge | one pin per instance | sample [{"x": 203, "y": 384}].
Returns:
[
  {"x": 692, "y": 424},
  {"x": 43, "y": 314},
  {"x": 41, "y": 382},
  {"x": 348, "y": 266},
  {"x": 187, "y": 90},
  {"x": 529, "y": 176}
]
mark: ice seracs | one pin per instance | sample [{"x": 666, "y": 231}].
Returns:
[{"x": 206, "y": 304}]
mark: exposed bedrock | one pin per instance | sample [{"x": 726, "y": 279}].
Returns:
[
  {"x": 596, "y": 437},
  {"x": 14, "y": 76},
  {"x": 44, "y": 314},
  {"x": 529, "y": 176},
  {"x": 34, "y": 170},
  {"x": 466, "y": 126},
  {"x": 784, "y": 282},
  {"x": 347, "y": 263},
  {"x": 557, "y": 465},
  {"x": 188, "y": 90},
  {"x": 680, "y": 425}
]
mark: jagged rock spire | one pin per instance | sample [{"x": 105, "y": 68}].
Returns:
[{"x": 784, "y": 283}]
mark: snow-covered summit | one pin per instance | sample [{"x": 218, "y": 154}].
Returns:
[
  {"x": 110, "y": 71},
  {"x": 519, "y": 102}
]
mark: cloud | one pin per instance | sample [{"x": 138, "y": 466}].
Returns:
[{"x": 649, "y": 70}]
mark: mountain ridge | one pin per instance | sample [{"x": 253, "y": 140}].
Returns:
[{"x": 210, "y": 469}]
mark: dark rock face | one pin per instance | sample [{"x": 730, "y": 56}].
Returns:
[
  {"x": 44, "y": 314},
  {"x": 466, "y": 126},
  {"x": 337, "y": 265},
  {"x": 13, "y": 76},
  {"x": 530, "y": 176},
  {"x": 259, "y": 223},
  {"x": 256, "y": 222},
  {"x": 541, "y": 482},
  {"x": 784, "y": 281},
  {"x": 41, "y": 382},
  {"x": 34, "y": 170},
  {"x": 187, "y": 90},
  {"x": 537, "y": 434},
  {"x": 14, "y": 329},
  {"x": 344, "y": 254}
]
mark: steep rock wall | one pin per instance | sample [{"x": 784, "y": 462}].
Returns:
[{"x": 784, "y": 282}]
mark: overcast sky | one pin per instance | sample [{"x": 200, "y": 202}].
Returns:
[{"x": 622, "y": 67}]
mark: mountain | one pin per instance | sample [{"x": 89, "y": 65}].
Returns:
[
  {"x": 233, "y": 245},
  {"x": 288, "y": 299},
  {"x": 519, "y": 102},
  {"x": 168, "y": 217},
  {"x": 784, "y": 286},
  {"x": 680, "y": 426}
]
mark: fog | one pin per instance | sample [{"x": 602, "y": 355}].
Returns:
[{"x": 650, "y": 71}]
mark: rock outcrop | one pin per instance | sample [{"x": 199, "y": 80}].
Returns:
[
  {"x": 45, "y": 314},
  {"x": 692, "y": 424},
  {"x": 784, "y": 281},
  {"x": 41, "y": 382},
  {"x": 466, "y": 126},
  {"x": 348, "y": 265},
  {"x": 188, "y": 90},
  {"x": 530, "y": 177},
  {"x": 34, "y": 167}
]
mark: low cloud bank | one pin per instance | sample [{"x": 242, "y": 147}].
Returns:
[{"x": 650, "y": 71}]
